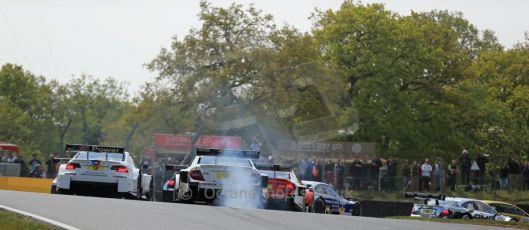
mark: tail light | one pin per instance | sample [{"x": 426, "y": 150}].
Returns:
[
  {"x": 120, "y": 169},
  {"x": 72, "y": 166},
  {"x": 289, "y": 188},
  {"x": 195, "y": 174},
  {"x": 444, "y": 213},
  {"x": 171, "y": 183}
]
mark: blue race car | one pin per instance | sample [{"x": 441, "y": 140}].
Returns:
[{"x": 326, "y": 200}]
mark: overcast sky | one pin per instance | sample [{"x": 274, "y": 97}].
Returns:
[{"x": 61, "y": 38}]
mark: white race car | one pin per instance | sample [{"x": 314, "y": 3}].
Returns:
[
  {"x": 102, "y": 170},
  {"x": 222, "y": 177}
]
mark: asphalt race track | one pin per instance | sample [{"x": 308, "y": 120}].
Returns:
[{"x": 106, "y": 213}]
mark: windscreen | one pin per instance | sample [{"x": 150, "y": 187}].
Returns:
[
  {"x": 230, "y": 161},
  {"x": 99, "y": 156}
]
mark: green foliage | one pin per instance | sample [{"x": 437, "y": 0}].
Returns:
[{"x": 423, "y": 85}]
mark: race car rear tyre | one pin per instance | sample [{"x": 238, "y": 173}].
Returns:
[
  {"x": 357, "y": 211},
  {"x": 466, "y": 216},
  {"x": 65, "y": 191},
  {"x": 319, "y": 207}
]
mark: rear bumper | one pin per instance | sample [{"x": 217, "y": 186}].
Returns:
[
  {"x": 209, "y": 193},
  {"x": 85, "y": 184}
]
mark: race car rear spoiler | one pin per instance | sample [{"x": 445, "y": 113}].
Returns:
[
  {"x": 272, "y": 167},
  {"x": 94, "y": 148},
  {"x": 171, "y": 167},
  {"x": 425, "y": 197},
  {"x": 228, "y": 153},
  {"x": 418, "y": 195}
]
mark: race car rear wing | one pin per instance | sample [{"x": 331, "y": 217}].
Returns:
[
  {"x": 425, "y": 197},
  {"x": 228, "y": 153},
  {"x": 94, "y": 148},
  {"x": 171, "y": 167},
  {"x": 272, "y": 167}
]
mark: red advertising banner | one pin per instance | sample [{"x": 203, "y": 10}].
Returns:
[{"x": 206, "y": 141}]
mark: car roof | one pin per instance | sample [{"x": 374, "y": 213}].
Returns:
[{"x": 496, "y": 202}]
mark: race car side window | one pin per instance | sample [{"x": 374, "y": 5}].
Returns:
[
  {"x": 320, "y": 189},
  {"x": 509, "y": 209},
  {"x": 484, "y": 207},
  {"x": 331, "y": 191}
]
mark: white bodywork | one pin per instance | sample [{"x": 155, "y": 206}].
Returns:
[
  {"x": 103, "y": 172},
  {"x": 218, "y": 173}
]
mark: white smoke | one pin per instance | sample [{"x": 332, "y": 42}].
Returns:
[{"x": 240, "y": 189}]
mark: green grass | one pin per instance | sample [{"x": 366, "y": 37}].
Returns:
[
  {"x": 12, "y": 221},
  {"x": 492, "y": 223},
  {"x": 506, "y": 196}
]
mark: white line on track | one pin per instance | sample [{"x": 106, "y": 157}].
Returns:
[{"x": 41, "y": 218}]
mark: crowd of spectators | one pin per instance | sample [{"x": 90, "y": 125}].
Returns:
[
  {"x": 372, "y": 173},
  {"x": 34, "y": 167}
]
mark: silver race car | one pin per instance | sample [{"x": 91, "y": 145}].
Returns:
[
  {"x": 104, "y": 171},
  {"x": 223, "y": 177}
]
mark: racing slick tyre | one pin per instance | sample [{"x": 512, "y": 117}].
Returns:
[
  {"x": 139, "y": 189},
  {"x": 357, "y": 210},
  {"x": 150, "y": 195},
  {"x": 64, "y": 191},
  {"x": 168, "y": 196},
  {"x": 319, "y": 207},
  {"x": 466, "y": 216}
]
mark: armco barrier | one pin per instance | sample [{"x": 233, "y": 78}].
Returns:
[
  {"x": 26, "y": 184},
  {"x": 376, "y": 208}
]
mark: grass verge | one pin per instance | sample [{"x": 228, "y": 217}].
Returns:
[
  {"x": 492, "y": 223},
  {"x": 12, "y": 221}
]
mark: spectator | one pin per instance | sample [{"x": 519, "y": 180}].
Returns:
[
  {"x": 426, "y": 170},
  {"x": 38, "y": 172},
  {"x": 301, "y": 166},
  {"x": 11, "y": 158},
  {"x": 316, "y": 170},
  {"x": 514, "y": 172},
  {"x": 256, "y": 145},
  {"x": 465, "y": 165},
  {"x": 392, "y": 173},
  {"x": 416, "y": 174},
  {"x": 356, "y": 172},
  {"x": 452, "y": 175},
  {"x": 525, "y": 175},
  {"x": 438, "y": 174},
  {"x": 339, "y": 168},
  {"x": 3, "y": 158},
  {"x": 504, "y": 176},
  {"x": 308, "y": 170},
  {"x": 51, "y": 163},
  {"x": 481, "y": 161},
  {"x": 406, "y": 173},
  {"x": 383, "y": 176},
  {"x": 374, "y": 167},
  {"x": 33, "y": 163},
  {"x": 24, "y": 171},
  {"x": 329, "y": 172}
]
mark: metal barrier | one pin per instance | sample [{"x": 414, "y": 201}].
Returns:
[{"x": 9, "y": 169}]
